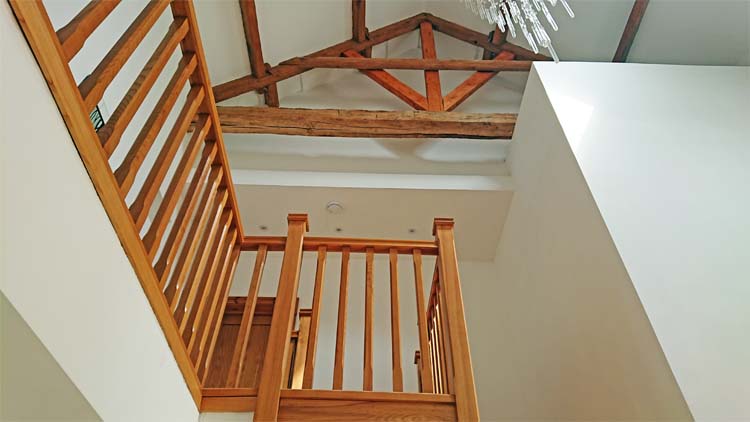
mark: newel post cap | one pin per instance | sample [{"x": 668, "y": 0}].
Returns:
[
  {"x": 443, "y": 223},
  {"x": 299, "y": 218}
]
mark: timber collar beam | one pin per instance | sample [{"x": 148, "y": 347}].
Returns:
[{"x": 515, "y": 58}]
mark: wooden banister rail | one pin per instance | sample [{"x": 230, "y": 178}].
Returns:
[{"x": 186, "y": 277}]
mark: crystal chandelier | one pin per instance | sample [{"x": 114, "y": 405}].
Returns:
[{"x": 523, "y": 13}]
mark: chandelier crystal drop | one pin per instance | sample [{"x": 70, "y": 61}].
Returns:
[{"x": 524, "y": 13}]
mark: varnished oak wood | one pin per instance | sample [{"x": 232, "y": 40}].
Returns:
[
  {"x": 51, "y": 58},
  {"x": 205, "y": 358},
  {"x": 168, "y": 204},
  {"x": 630, "y": 31},
  {"x": 424, "y": 364},
  {"x": 192, "y": 44},
  {"x": 238, "y": 356},
  {"x": 145, "y": 199},
  {"x": 369, "y": 124},
  {"x": 73, "y": 35},
  {"x": 351, "y": 406},
  {"x": 338, "y": 359},
  {"x": 277, "y": 351},
  {"x": 126, "y": 172},
  {"x": 229, "y": 399},
  {"x": 312, "y": 343},
  {"x": 369, "y": 316},
  {"x": 111, "y": 133},
  {"x": 337, "y": 244},
  {"x": 398, "y": 376},
  {"x": 254, "y": 49},
  {"x": 367, "y": 63},
  {"x": 194, "y": 281},
  {"x": 464, "y": 90},
  {"x": 431, "y": 77},
  {"x": 222, "y": 284},
  {"x": 404, "y": 92},
  {"x": 465, "y": 390},
  {"x": 279, "y": 73},
  {"x": 300, "y": 355},
  {"x": 93, "y": 86}
]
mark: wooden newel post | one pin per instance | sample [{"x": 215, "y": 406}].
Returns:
[
  {"x": 278, "y": 347},
  {"x": 463, "y": 376}
]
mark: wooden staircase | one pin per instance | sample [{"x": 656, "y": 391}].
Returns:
[{"x": 239, "y": 353}]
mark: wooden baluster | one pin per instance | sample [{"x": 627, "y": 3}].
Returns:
[
  {"x": 300, "y": 356},
  {"x": 278, "y": 347},
  {"x": 246, "y": 324},
  {"x": 204, "y": 326},
  {"x": 369, "y": 312},
  {"x": 398, "y": 376},
  {"x": 446, "y": 353},
  {"x": 93, "y": 86},
  {"x": 198, "y": 223},
  {"x": 203, "y": 364},
  {"x": 208, "y": 288},
  {"x": 425, "y": 369},
  {"x": 312, "y": 343},
  {"x": 338, "y": 360},
  {"x": 453, "y": 311},
  {"x": 73, "y": 35}
]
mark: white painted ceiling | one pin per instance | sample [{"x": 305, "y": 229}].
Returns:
[{"x": 280, "y": 174}]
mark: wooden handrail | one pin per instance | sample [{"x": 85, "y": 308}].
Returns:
[{"x": 336, "y": 244}]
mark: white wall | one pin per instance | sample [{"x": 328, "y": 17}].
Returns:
[
  {"x": 63, "y": 268},
  {"x": 665, "y": 153},
  {"x": 563, "y": 333}
]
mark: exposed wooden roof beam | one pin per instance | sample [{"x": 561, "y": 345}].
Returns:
[
  {"x": 431, "y": 77},
  {"x": 255, "y": 51},
  {"x": 366, "y": 124},
  {"x": 472, "y": 84},
  {"x": 359, "y": 26},
  {"x": 365, "y": 63},
  {"x": 496, "y": 37},
  {"x": 279, "y": 73},
  {"x": 393, "y": 85},
  {"x": 631, "y": 29}
]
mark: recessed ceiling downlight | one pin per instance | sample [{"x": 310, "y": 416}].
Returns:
[{"x": 334, "y": 207}]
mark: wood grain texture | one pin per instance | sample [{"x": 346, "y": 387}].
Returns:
[
  {"x": 431, "y": 77},
  {"x": 238, "y": 356},
  {"x": 74, "y": 34},
  {"x": 425, "y": 367},
  {"x": 141, "y": 206},
  {"x": 127, "y": 170},
  {"x": 368, "y": 124},
  {"x": 93, "y": 86},
  {"x": 245, "y": 84},
  {"x": 222, "y": 283},
  {"x": 300, "y": 355},
  {"x": 204, "y": 363},
  {"x": 51, "y": 59},
  {"x": 166, "y": 208},
  {"x": 338, "y": 359},
  {"x": 277, "y": 351},
  {"x": 312, "y": 342},
  {"x": 404, "y": 92},
  {"x": 398, "y": 375},
  {"x": 201, "y": 178},
  {"x": 465, "y": 390},
  {"x": 364, "y": 406},
  {"x": 466, "y": 88},
  {"x": 111, "y": 133},
  {"x": 367, "y": 379},
  {"x": 630, "y": 31},
  {"x": 368, "y": 63}
]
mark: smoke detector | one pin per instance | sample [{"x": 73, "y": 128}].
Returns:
[{"x": 334, "y": 207}]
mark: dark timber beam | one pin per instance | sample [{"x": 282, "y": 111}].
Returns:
[
  {"x": 254, "y": 50},
  {"x": 496, "y": 37},
  {"x": 281, "y": 72},
  {"x": 366, "y": 124},
  {"x": 431, "y": 77},
  {"x": 364, "y": 63},
  {"x": 472, "y": 84},
  {"x": 631, "y": 29},
  {"x": 403, "y": 91},
  {"x": 359, "y": 26}
]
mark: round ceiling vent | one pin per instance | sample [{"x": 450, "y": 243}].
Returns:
[{"x": 334, "y": 207}]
